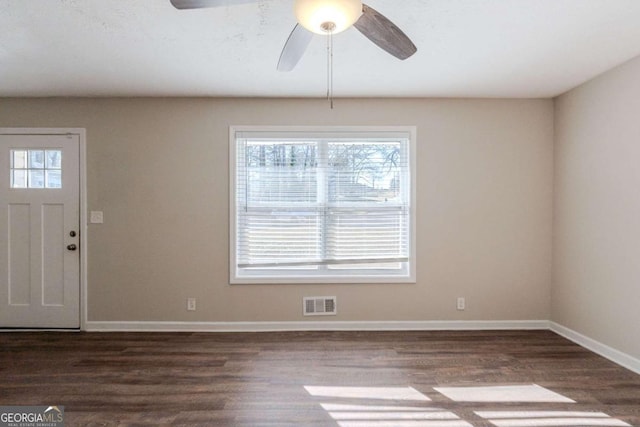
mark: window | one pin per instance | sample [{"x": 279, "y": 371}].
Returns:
[
  {"x": 36, "y": 169},
  {"x": 322, "y": 205}
]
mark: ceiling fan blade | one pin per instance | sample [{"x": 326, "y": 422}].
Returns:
[
  {"x": 294, "y": 48},
  {"x": 199, "y": 4},
  {"x": 384, "y": 33}
]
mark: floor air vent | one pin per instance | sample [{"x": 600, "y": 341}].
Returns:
[{"x": 319, "y": 306}]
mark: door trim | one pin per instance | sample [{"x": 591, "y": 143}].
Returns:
[{"x": 81, "y": 133}]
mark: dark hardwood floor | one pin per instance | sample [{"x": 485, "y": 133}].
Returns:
[{"x": 347, "y": 379}]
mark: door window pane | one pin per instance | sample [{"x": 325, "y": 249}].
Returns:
[
  {"x": 53, "y": 179},
  {"x": 19, "y": 179},
  {"x": 37, "y": 168},
  {"x": 36, "y": 159},
  {"x": 19, "y": 159},
  {"x": 54, "y": 159},
  {"x": 36, "y": 178}
]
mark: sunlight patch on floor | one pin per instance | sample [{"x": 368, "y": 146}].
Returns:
[
  {"x": 395, "y": 415},
  {"x": 365, "y": 413},
  {"x": 532, "y": 393},
  {"x": 385, "y": 415},
  {"x": 405, "y": 423},
  {"x": 347, "y": 407},
  {"x": 550, "y": 419},
  {"x": 540, "y": 414},
  {"x": 383, "y": 393}
]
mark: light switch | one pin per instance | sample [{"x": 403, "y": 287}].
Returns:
[{"x": 96, "y": 217}]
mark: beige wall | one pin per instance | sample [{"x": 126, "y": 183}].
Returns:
[
  {"x": 596, "y": 284},
  {"x": 158, "y": 169}
]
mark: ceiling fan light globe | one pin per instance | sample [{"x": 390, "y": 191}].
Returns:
[{"x": 314, "y": 14}]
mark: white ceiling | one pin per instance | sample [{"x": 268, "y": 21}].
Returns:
[{"x": 466, "y": 48}]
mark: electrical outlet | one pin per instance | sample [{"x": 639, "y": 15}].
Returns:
[
  {"x": 191, "y": 304},
  {"x": 461, "y": 303}
]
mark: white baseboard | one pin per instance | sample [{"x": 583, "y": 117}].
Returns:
[
  {"x": 93, "y": 326},
  {"x": 597, "y": 347}
]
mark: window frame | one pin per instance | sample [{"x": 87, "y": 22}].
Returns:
[{"x": 347, "y": 276}]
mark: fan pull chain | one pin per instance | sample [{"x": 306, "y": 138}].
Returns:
[{"x": 330, "y": 67}]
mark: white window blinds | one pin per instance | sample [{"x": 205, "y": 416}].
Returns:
[{"x": 316, "y": 204}]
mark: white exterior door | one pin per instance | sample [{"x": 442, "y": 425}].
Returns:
[{"x": 39, "y": 231}]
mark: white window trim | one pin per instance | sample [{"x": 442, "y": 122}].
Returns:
[{"x": 411, "y": 131}]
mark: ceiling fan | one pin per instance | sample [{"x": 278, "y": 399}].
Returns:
[{"x": 326, "y": 17}]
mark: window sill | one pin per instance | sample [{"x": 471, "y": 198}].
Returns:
[{"x": 324, "y": 280}]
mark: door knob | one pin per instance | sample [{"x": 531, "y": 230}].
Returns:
[{"x": 72, "y": 247}]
